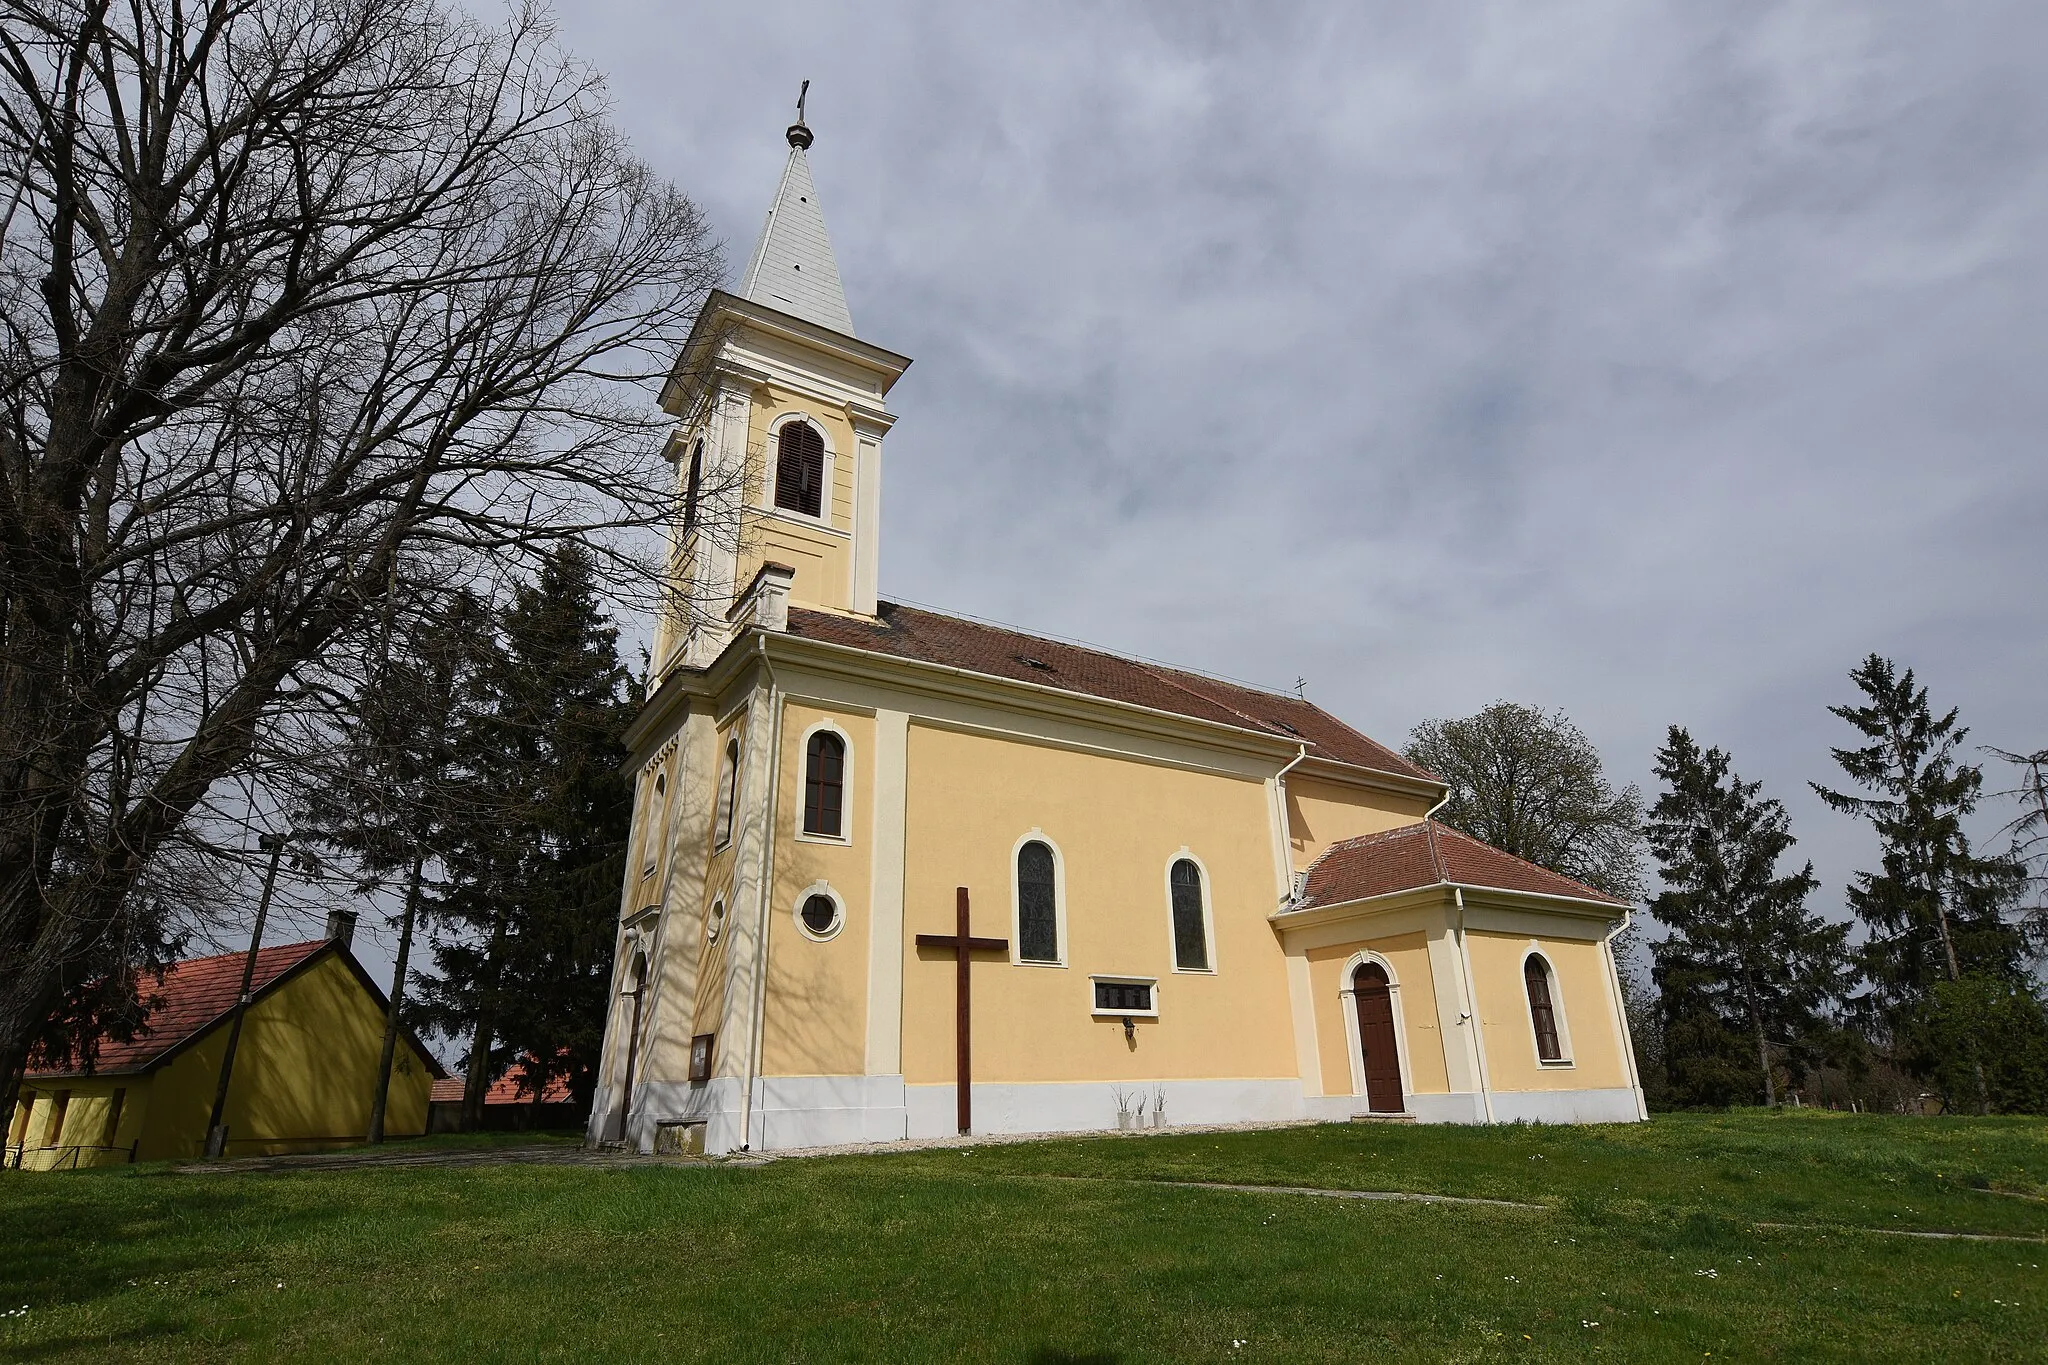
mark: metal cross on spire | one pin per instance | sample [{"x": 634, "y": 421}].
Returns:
[{"x": 799, "y": 134}]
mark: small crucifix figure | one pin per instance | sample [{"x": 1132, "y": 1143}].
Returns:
[{"x": 962, "y": 943}]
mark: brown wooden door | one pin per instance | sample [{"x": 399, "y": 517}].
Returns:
[{"x": 1376, "y": 1039}]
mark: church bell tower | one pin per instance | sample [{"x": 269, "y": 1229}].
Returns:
[{"x": 781, "y": 413}]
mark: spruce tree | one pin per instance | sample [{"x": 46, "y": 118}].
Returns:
[
  {"x": 395, "y": 786},
  {"x": 1935, "y": 911},
  {"x": 1747, "y": 965},
  {"x": 534, "y": 901}
]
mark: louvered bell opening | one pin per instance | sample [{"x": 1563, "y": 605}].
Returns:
[{"x": 800, "y": 469}]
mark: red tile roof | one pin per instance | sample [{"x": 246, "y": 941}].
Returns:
[
  {"x": 1427, "y": 854},
  {"x": 193, "y": 995},
  {"x": 929, "y": 636},
  {"x": 504, "y": 1090}
]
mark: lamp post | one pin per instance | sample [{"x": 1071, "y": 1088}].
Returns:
[{"x": 216, "y": 1131}]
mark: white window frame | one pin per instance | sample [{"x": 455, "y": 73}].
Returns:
[
  {"x": 796, "y": 911},
  {"x": 714, "y": 920},
  {"x": 827, "y": 479},
  {"x": 1347, "y": 995},
  {"x": 803, "y": 783},
  {"x": 1059, "y": 903},
  {"x": 1557, "y": 1014},
  {"x": 1208, "y": 915},
  {"x": 1114, "y": 980}
]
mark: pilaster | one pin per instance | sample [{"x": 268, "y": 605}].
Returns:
[{"x": 885, "y": 932}]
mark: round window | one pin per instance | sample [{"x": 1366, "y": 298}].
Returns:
[
  {"x": 819, "y": 914},
  {"x": 717, "y": 921}
]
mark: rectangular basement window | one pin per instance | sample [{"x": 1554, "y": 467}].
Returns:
[{"x": 1125, "y": 996}]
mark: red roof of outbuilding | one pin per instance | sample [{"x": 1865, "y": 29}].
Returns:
[
  {"x": 978, "y": 647},
  {"x": 199, "y": 992},
  {"x": 194, "y": 994},
  {"x": 504, "y": 1090},
  {"x": 1427, "y": 854}
]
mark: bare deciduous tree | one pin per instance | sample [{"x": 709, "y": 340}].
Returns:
[
  {"x": 297, "y": 297},
  {"x": 1533, "y": 784}
]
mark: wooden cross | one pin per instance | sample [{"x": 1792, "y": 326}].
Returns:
[{"x": 962, "y": 943}]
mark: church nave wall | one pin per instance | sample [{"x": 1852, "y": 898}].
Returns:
[
  {"x": 1321, "y": 813},
  {"x": 1116, "y": 826}
]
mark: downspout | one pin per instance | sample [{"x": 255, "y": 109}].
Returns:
[
  {"x": 1628, "y": 1040},
  {"x": 1472, "y": 999},
  {"x": 760, "y": 1020},
  {"x": 1286, "y": 834}
]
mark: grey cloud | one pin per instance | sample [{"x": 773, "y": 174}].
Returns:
[{"x": 1655, "y": 362}]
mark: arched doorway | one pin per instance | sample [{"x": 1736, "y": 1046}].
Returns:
[{"x": 1376, "y": 1040}]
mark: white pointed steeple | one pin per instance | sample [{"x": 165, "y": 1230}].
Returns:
[{"x": 792, "y": 268}]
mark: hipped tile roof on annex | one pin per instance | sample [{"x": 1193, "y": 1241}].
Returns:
[
  {"x": 978, "y": 647},
  {"x": 1423, "y": 855}
]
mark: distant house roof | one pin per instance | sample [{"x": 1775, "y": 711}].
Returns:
[
  {"x": 505, "y": 1090},
  {"x": 978, "y": 647},
  {"x": 198, "y": 993},
  {"x": 1423, "y": 855}
]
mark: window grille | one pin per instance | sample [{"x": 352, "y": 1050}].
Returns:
[{"x": 1123, "y": 997}]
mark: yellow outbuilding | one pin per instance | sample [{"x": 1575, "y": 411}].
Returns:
[
  {"x": 896, "y": 873},
  {"x": 303, "y": 1074}
]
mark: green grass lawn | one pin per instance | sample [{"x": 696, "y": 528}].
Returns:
[{"x": 1075, "y": 1251}]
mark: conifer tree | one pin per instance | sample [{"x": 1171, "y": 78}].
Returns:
[
  {"x": 1935, "y": 911},
  {"x": 1746, "y": 963},
  {"x": 533, "y": 900},
  {"x": 397, "y": 785}
]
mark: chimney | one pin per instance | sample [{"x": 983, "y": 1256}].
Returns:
[{"x": 341, "y": 927}]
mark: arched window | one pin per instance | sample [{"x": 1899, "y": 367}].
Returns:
[
  {"x": 800, "y": 469},
  {"x": 1542, "y": 1012},
  {"x": 1190, "y": 927},
  {"x": 694, "y": 487},
  {"x": 657, "y": 821},
  {"x": 825, "y": 785},
  {"x": 1038, "y": 917},
  {"x": 728, "y": 791}
]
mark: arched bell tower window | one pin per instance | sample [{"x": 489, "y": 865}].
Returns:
[
  {"x": 800, "y": 469},
  {"x": 694, "y": 487}
]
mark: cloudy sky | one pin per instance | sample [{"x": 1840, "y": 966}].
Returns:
[{"x": 1654, "y": 362}]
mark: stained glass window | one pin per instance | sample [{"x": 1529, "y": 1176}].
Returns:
[
  {"x": 1190, "y": 932},
  {"x": 1038, "y": 924}
]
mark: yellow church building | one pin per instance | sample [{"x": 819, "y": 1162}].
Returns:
[{"x": 877, "y": 849}]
